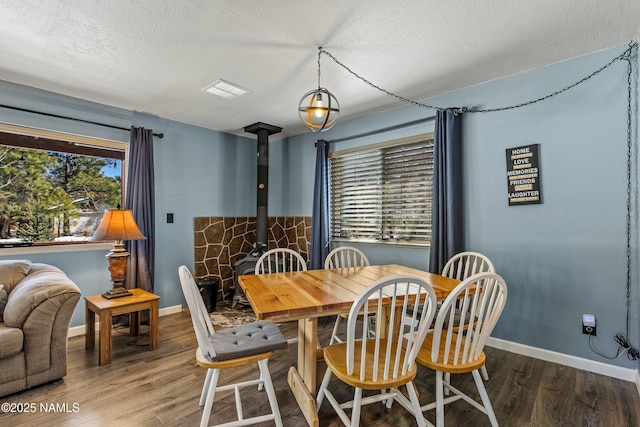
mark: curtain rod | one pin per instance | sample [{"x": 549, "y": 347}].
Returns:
[
  {"x": 159, "y": 135},
  {"x": 382, "y": 130}
]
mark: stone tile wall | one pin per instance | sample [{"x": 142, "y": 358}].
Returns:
[{"x": 221, "y": 241}]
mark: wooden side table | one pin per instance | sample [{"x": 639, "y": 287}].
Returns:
[{"x": 107, "y": 308}]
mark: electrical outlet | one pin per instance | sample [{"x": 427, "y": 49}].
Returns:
[
  {"x": 169, "y": 218},
  {"x": 588, "y": 324}
]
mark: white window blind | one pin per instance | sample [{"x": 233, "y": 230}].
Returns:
[{"x": 383, "y": 193}]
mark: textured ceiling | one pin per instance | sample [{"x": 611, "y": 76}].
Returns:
[{"x": 155, "y": 56}]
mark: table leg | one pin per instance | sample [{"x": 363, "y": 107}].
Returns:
[
  {"x": 386, "y": 319},
  {"x": 308, "y": 335},
  {"x": 154, "y": 335},
  {"x": 303, "y": 379},
  {"x": 134, "y": 323},
  {"x": 89, "y": 328},
  {"x": 105, "y": 337}
]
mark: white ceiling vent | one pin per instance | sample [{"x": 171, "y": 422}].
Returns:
[{"x": 225, "y": 89}]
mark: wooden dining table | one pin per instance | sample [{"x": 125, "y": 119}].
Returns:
[{"x": 307, "y": 295}]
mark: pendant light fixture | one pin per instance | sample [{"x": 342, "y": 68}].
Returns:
[{"x": 319, "y": 109}]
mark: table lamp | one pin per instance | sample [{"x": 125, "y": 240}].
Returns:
[{"x": 118, "y": 225}]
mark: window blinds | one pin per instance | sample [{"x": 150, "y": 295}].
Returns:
[{"x": 384, "y": 193}]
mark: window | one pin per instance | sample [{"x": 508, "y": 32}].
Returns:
[
  {"x": 54, "y": 187},
  {"x": 382, "y": 193}
]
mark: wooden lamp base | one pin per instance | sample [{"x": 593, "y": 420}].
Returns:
[
  {"x": 116, "y": 292},
  {"x": 118, "y": 267}
]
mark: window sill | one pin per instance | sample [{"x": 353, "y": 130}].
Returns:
[{"x": 40, "y": 249}]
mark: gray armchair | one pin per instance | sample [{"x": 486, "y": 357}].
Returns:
[{"x": 35, "y": 324}]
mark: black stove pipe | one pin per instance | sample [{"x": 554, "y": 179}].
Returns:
[{"x": 263, "y": 131}]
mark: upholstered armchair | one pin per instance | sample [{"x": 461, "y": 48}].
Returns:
[{"x": 34, "y": 324}]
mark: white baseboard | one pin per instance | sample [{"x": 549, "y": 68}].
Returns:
[
  {"x": 79, "y": 330},
  {"x": 613, "y": 371}
]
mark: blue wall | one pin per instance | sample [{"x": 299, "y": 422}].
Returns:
[
  {"x": 560, "y": 259},
  {"x": 566, "y": 256},
  {"x": 302, "y": 157},
  {"x": 199, "y": 172}
]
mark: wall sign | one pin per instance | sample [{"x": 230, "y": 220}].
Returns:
[{"x": 523, "y": 175}]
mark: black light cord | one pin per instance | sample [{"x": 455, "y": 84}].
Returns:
[
  {"x": 624, "y": 56},
  {"x": 622, "y": 340},
  {"x": 595, "y": 350},
  {"x": 632, "y": 353},
  {"x": 356, "y": 75},
  {"x": 134, "y": 342}
]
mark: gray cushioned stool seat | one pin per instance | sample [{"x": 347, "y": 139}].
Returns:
[{"x": 247, "y": 340}]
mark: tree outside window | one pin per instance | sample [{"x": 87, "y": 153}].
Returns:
[{"x": 54, "y": 195}]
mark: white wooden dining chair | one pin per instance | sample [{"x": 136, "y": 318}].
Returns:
[
  {"x": 280, "y": 260},
  {"x": 228, "y": 349},
  {"x": 385, "y": 361},
  {"x": 466, "y": 264},
  {"x": 343, "y": 257},
  {"x": 462, "y": 266},
  {"x": 458, "y": 347}
]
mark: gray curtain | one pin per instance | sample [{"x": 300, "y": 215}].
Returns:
[
  {"x": 140, "y": 198},
  {"x": 320, "y": 217},
  {"x": 447, "y": 222}
]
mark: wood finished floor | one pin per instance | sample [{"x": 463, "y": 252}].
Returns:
[{"x": 162, "y": 388}]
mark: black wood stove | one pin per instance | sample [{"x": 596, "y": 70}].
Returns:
[{"x": 247, "y": 264}]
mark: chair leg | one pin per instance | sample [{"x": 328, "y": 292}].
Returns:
[
  {"x": 485, "y": 398},
  {"x": 415, "y": 404},
  {"x": 372, "y": 326},
  {"x": 389, "y": 402},
  {"x": 205, "y": 387},
  {"x": 357, "y": 405},
  {"x": 334, "y": 334},
  {"x": 271, "y": 393},
  {"x": 206, "y": 412},
  {"x": 323, "y": 387},
  {"x": 439, "y": 399},
  {"x": 447, "y": 379},
  {"x": 261, "y": 385},
  {"x": 484, "y": 372}
]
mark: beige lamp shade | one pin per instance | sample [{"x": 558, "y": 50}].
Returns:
[{"x": 118, "y": 224}]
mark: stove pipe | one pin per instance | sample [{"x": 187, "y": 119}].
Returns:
[{"x": 263, "y": 131}]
